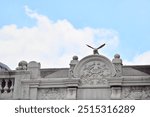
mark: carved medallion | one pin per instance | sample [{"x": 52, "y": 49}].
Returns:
[
  {"x": 52, "y": 94},
  {"x": 94, "y": 73},
  {"x": 94, "y": 70}
]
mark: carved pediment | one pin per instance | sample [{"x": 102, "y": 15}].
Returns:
[{"x": 94, "y": 70}]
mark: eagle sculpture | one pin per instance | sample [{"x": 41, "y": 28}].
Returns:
[{"x": 95, "y": 50}]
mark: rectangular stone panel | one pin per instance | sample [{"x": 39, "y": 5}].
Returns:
[
  {"x": 101, "y": 93},
  {"x": 51, "y": 93}
]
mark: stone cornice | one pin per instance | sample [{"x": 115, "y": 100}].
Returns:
[
  {"x": 130, "y": 81},
  {"x": 53, "y": 82}
]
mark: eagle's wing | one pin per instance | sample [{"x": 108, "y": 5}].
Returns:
[
  {"x": 90, "y": 46},
  {"x": 101, "y": 46}
]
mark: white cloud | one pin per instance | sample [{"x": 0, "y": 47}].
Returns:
[
  {"x": 53, "y": 43},
  {"x": 141, "y": 59}
]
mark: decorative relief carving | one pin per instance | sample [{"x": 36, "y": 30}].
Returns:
[
  {"x": 137, "y": 93},
  {"x": 94, "y": 73},
  {"x": 52, "y": 94}
]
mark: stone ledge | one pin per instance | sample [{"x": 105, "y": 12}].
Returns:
[{"x": 47, "y": 83}]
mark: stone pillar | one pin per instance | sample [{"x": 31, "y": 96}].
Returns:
[
  {"x": 73, "y": 63},
  {"x": 34, "y": 69},
  {"x": 72, "y": 85},
  {"x": 117, "y": 62},
  {"x": 117, "y": 79},
  {"x": 71, "y": 93},
  {"x": 116, "y": 93},
  {"x": 72, "y": 89},
  {"x": 25, "y": 91},
  {"x": 19, "y": 91},
  {"x": 21, "y": 74}
]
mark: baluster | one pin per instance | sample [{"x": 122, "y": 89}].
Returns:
[
  {"x": 0, "y": 85},
  {"x": 3, "y": 85},
  {"x": 9, "y": 85},
  {"x": 12, "y": 85},
  {"x": 6, "y": 86}
]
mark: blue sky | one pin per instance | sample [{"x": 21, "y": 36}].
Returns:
[{"x": 130, "y": 19}]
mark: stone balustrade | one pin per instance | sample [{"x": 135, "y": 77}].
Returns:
[{"x": 6, "y": 88}]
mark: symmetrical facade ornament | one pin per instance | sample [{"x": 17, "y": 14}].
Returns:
[
  {"x": 94, "y": 70},
  {"x": 94, "y": 73}
]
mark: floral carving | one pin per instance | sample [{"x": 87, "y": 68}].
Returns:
[
  {"x": 52, "y": 94},
  {"x": 139, "y": 93},
  {"x": 94, "y": 73}
]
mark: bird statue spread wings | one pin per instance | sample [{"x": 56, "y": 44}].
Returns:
[{"x": 95, "y": 50}]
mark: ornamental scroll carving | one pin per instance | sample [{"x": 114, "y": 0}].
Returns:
[
  {"x": 94, "y": 73},
  {"x": 136, "y": 93},
  {"x": 52, "y": 94}
]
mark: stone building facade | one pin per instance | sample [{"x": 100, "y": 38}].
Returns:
[{"x": 94, "y": 77}]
